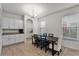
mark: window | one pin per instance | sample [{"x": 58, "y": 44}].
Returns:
[
  {"x": 70, "y": 23},
  {"x": 43, "y": 28},
  {"x": 43, "y": 24}
]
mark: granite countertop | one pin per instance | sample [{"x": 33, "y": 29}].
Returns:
[{"x": 11, "y": 33}]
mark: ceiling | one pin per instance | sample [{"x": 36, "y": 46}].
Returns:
[{"x": 36, "y": 9}]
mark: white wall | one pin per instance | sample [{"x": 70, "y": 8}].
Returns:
[
  {"x": 35, "y": 26},
  {"x": 54, "y": 25},
  {"x": 0, "y": 30}
]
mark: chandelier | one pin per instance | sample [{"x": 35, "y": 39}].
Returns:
[{"x": 34, "y": 14}]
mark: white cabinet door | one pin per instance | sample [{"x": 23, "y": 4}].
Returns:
[
  {"x": 12, "y": 39},
  {"x": 11, "y": 24},
  {"x": 5, "y": 40},
  {"x": 16, "y": 38},
  {"x": 19, "y": 38},
  {"x": 8, "y": 39},
  {"x": 22, "y": 37},
  {"x": 17, "y": 24},
  {"x": 20, "y": 24},
  {"x": 5, "y": 23}
]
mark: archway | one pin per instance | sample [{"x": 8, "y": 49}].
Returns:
[{"x": 29, "y": 23}]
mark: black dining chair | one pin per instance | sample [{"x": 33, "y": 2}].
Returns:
[
  {"x": 56, "y": 48},
  {"x": 35, "y": 40},
  {"x": 39, "y": 40},
  {"x": 45, "y": 34},
  {"x": 44, "y": 42},
  {"x": 50, "y": 35}
]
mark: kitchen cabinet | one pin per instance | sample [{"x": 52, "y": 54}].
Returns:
[
  {"x": 16, "y": 38},
  {"x": 20, "y": 24},
  {"x": 5, "y": 23},
  {"x": 16, "y": 24},
  {"x": 12, "y": 39},
  {"x": 19, "y": 38},
  {"x": 5, "y": 40},
  {"x": 9, "y": 23}
]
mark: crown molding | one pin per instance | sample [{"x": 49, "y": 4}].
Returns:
[{"x": 58, "y": 11}]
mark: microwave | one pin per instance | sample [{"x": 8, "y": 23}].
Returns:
[{"x": 21, "y": 31}]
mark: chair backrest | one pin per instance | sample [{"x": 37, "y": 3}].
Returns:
[
  {"x": 53, "y": 38},
  {"x": 39, "y": 37},
  {"x": 35, "y": 36},
  {"x": 50, "y": 35},
  {"x": 59, "y": 44},
  {"x": 45, "y": 34}
]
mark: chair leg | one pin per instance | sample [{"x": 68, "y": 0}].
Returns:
[
  {"x": 53, "y": 53},
  {"x": 60, "y": 50},
  {"x": 45, "y": 49},
  {"x": 37, "y": 46},
  {"x": 41, "y": 47},
  {"x": 34, "y": 44},
  {"x": 58, "y": 53}
]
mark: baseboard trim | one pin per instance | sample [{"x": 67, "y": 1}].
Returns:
[{"x": 71, "y": 48}]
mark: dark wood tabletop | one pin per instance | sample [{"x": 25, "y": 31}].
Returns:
[{"x": 54, "y": 39}]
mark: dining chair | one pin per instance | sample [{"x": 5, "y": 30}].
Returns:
[
  {"x": 57, "y": 46},
  {"x": 44, "y": 43},
  {"x": 45, "y": 34},
  {"x": 34, "y": 39},
  {"x": 51, "y": 35}
]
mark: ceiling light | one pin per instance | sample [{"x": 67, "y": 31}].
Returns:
[{"x": 33, "y": 9}]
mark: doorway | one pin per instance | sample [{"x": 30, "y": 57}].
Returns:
[{"x": 29, "y": 28}]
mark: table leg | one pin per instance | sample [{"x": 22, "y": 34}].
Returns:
[{"x": 52, "y": 48}]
